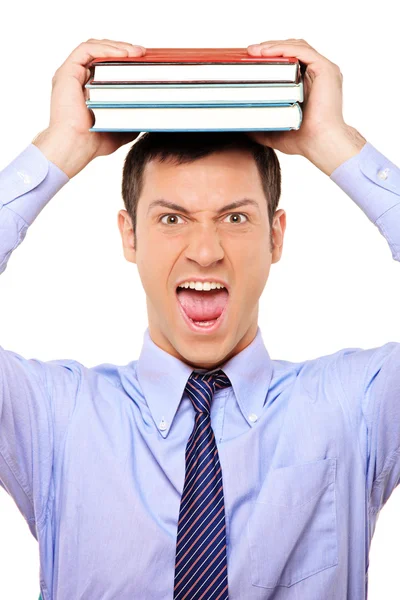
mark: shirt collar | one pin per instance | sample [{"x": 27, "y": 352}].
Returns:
[{"x": 163, "y": 378}]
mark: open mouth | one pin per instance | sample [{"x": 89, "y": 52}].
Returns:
[{"x": 202, "y": 309}]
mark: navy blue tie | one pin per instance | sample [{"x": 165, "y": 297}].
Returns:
[{"x": 200, "y": 561}]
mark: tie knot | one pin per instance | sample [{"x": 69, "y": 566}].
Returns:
[{"x": 202, "y": 386}]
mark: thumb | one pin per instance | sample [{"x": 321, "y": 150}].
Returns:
[
  {"x": 261, "y": 137},
  {"x": 128, "y": 136}
]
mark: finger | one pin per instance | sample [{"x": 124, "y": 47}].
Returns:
[
  {"x": 87, "y": 51},
  {"x": 257, "y": 136},
  {"x": 261, "y": 137},
  {"x": 257, "y": 48},
  {"x": 125, "y": 138},
  {"x": 76, "y": 65},
  {"x": 288, "y": 40},
  {"x": 119, "y": 44},
  {"x": 305, "y": 54}
]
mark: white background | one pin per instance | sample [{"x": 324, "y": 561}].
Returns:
[{"x": 69, "y": 293}]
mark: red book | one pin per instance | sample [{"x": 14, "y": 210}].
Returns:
[{"x": 196, "y": 65}]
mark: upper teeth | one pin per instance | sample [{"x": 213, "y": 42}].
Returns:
[{"x": 198, "y": 285}]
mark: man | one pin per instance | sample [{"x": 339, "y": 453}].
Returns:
[{"x": 204, "y": 469}]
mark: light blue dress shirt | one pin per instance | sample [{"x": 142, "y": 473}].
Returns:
[{"x": 95, "y": 457}]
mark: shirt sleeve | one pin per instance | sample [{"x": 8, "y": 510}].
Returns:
[
  {"x": 370, "y": 383},
  {"x": 370, "y": 379},
  {"x": 37, "y": 400},
  {"x": 36, "y": 397},
  {"x": 373, "y": 182},
  {"x": 26, "y": 186}
]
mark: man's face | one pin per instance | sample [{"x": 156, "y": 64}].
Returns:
[{"x": 175, "y": 246}]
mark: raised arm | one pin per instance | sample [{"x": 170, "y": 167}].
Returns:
[
  {"x": 62, "y": 150},
  {"x": 329, "y": 143},
  {"x": 37, "y": 397},
  {"x": 367, "y": 380},
  {"x": 67, "y": 140}
]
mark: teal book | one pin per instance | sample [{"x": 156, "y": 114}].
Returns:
[
  {"x": 192, "y": 94},
  {"x": 197, "y": 116}
]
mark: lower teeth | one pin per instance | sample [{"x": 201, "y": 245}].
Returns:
[{"x": 203, "y": 323}]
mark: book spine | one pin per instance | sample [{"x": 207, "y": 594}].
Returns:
[{"x": 93, "y": 104}]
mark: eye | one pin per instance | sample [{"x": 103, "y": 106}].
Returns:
[
  {"x": 237, "y": 215},
  {"x": 178, "y": 217},
  {"x": 170, "y": 215}
]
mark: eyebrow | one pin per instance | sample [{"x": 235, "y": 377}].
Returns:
[{"x": 182, "y": 209}]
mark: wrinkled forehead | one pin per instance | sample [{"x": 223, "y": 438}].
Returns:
[{"x": 216, "y": 178}]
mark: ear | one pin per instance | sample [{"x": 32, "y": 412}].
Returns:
[
  {"x": 278, "y": 232},
  {"x": 127, "y": 235}
]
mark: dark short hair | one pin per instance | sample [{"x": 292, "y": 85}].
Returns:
[{"x": 186, "y": 147}]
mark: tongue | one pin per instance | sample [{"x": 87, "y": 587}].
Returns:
[{"x": 203, "y": 306}]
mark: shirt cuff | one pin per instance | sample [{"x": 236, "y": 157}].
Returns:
[
  {"x": 29, "y": 182},
  {"x": 371, "y": 180}
]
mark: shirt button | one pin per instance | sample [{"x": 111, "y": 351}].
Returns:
[
  {"x": 163, "y": 425},
  {"x": 253, "y": 418},
  {"x": 383, "y": 174},
  {"x": 24, "y": 176}
]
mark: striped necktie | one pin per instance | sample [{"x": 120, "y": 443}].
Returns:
[{"x": 200, "y": 561}]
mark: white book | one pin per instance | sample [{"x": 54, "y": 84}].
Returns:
[
  {"x": 141, "y": 72},
  {"x": 200, "y": 118},
  {"x": 271, "y": 92}
]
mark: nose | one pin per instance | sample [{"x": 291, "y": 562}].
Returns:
[{"x": 204, "y": 246}]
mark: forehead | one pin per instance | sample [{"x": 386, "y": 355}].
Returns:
[{"x": 228, "y": 169}]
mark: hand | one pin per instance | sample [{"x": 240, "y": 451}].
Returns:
[
  {"x": 323, "y": 137},
  {"x": 67, "y": 140}
]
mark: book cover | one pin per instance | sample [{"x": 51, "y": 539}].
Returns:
[
  {"x": 208, "y": 65},
  {"x": 211, "y": 117},
  {"x": 196, "y": 55},
  {"x": 284, "y": 92}
]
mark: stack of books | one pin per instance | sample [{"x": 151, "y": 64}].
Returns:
[{"x": 195, "y": 89}]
